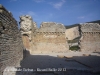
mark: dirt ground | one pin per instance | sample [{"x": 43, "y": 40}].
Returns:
[{"x": 72, "y": 63}]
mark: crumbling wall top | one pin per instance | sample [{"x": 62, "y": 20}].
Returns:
[
  {"x": 90, "y": 27},
  {"x": 26, "y": 23},
  {"x": 52, "y": 27}
]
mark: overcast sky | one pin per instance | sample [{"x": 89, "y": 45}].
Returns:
[{"x": 61, "y": 11}]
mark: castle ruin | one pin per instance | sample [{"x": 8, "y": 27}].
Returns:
[
  {"x": 49, "y": 38},
  {"x": 54, "y": 37}
]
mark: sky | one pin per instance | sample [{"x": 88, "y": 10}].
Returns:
[{"x": 67, "y": 12}]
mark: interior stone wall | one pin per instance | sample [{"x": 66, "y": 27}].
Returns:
[
  {"x": 50, "y": 38},
  {"x": 11, "y": 47},
  {"x": 26, "y": 42},
  {"x": 50, "y": 42}
]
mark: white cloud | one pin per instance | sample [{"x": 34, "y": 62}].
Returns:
[
  {"x": 81, "y": 17},
  {"x": 58, "y": 5},
  {"x": 38, "y": 1}
]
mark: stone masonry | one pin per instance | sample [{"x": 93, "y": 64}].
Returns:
[
  {"x": 11, "y": 47},
  {"x": 72, "y": 33},
  {"x": 55, "y": 38},
  {"x": 27, "y": 29},
  {"x": 50, "y": 38},
  {"x": 90, "y": 39}
]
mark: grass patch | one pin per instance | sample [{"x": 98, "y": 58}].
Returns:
[{"x": 74, "y": 48}]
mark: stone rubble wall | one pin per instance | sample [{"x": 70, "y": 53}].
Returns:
[
  {"x": 50, "y": 38},
  {"x": 44, "y": 39},
  {"x": 72, "y": 33},
  {"x": 11, "y": 46},
  {"x": 50, "y": 34},
  {"x": 90, "y": 27},
  {"x": 50, "y": 42},
  {"x": 26, "y": 27},
  {"x": 90, "y": 40},
  {"x": 51, "y": 27}
]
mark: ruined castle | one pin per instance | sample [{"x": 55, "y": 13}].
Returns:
[
  {"x": 55, "y": 38},
  {"x": 49, "y": 38}
]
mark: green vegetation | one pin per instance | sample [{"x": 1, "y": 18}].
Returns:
[{"x": 74, "y": 48}]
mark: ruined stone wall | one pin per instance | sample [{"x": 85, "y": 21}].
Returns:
[
  {"x": 26, "y": 27},
  {"x": 72, "y": 33},
  {"x": 50, "y": 42},
  {"x": 11, "y": 47},
  {"x": 90, "y": 40},
  {"x": 50, "y": 38}
]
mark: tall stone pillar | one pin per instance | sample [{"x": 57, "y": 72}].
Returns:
[{"x": 26, "y": 24}]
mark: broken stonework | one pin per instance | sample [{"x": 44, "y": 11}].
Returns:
[
  {"x": 25, "y": 23},
  {"x": 72, "y": 33},
  {"x": 26, "y": 28},
  {"x": 54, "y": 37},
  {"x": 50, "y": 38},
  {"x": 11, "y": 47},
  {"x": 52, "y": 27}
]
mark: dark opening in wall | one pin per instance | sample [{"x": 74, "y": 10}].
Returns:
[
  {"x": 25, "y": 35},
  {"x": 0, "y": 52}
]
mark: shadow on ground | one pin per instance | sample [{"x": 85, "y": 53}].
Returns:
[
  {"x": 50, "y": 65},
  {"x": 97, "y": 52}
]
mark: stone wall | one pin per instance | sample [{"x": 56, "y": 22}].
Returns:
[
  {"x": 72, "y": 33},
  {"x": 90, "y": 40},
  {"x": 54, "y": 37},
  {"x": 50, "y": 42},
  {"x": 11, "y": 47},
  {"x": 50, "y": 38},
  {"x": 26, "y": 27}
]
